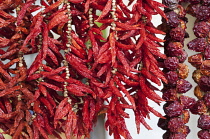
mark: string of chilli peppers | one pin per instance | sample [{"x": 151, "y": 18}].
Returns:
[
  {"x": 200, "y": 9},
  {"x": 177, "y": 105},
  {"x": 80, "y": 74},
  {"x": 65, "y": 92}
]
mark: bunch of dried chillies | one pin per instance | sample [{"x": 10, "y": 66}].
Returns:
[
  {"x": 80, "y": 74},
  {"x": 176, "y": 72},
  {"x": 200, "y": 9}
]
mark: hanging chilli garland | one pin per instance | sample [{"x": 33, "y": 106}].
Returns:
[
  {"x": 81, "y": 74},
  {"x": 176, "y": 72},
  {"x": 176, "y": 107},
  {"x": 201, "y": 61}
]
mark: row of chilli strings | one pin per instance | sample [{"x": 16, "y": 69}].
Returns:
[
  {"x": 178, "y": 106},
  {"x": 29, "y": 97},
  {"x": 80, "y": 74}
]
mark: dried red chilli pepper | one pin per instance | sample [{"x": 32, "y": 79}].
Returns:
[{"x": 39, "y": 127}]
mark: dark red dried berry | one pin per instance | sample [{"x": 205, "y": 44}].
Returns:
[
  {"x": 204, "y": 83},
  {"x": 166, "y": 135},
  {"x": 203, "y": 13},
  {"x": 198, "y": 108},
  {"x": 163, "y": 123},
  {"x": 171, "y": 63},
  {"x": 201, "y": 29},
  {"x": 187, "y": 102},
  {"x": 173, "y": 19},
  {"x": 174, "y": 49},
  {"x": 198, "y": 44},
  {"x": 183, "y": 86},
  {"x": 172, "y": 77},
  {"x": 173, "y": 109},
  {"x": 185, "y": 130},
  {"x": 177, "y": 34},
  {"x": 204, "y": 134},
  {"x": 192, "y": 9},
  {"x": 170, "y": 95},
  {"x": 206, "y": 99},
  {"x": 204, "y": 122},
  {"x": 171, "y": 4},
  {"x": 175, "y": 124}
]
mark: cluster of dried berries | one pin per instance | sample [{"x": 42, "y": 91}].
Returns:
[
  {"x": 201, "y": 61},
  {"x": 80, "y": 74},
  {"x": 177, "y": 105}
]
